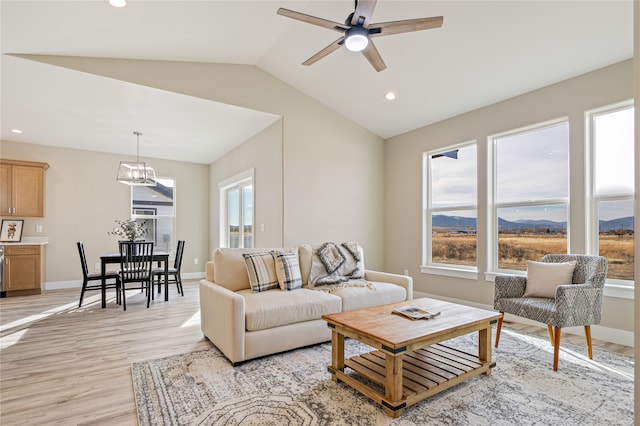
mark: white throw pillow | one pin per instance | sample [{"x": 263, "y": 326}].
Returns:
[
  {"x": 288, "y": 270},
  {"x": 544, "y": 277},
  {"x": 262, "y": 271}
]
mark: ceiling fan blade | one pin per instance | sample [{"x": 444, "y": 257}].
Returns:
[
  {"x": 324, "y": 52},
  {"x": 406, "y": 26},
  {"x": 373, "y": 56},
  {"x": 324, "y": 23},
  {"x": 363, "y": 12}
]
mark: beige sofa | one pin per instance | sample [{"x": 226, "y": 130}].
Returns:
[{"x": 244, "y": 324}]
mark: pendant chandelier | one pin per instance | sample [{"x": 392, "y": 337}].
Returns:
[{"x": 136, "y": 173}]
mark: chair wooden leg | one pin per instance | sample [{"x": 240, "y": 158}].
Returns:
[
  {"x": 84, "y": 288},
  {"x": 587, "y": 333},
  {"x": 556, "y": 348},
  {"x": 179, "y": 282},
  {"x": 499, "y": 328},
  {"x": 550, "y": 333}
]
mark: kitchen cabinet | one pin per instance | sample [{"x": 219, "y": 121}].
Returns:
[
  {"x": 23, "y": 266},
  {"x": 22, "y": 188}
]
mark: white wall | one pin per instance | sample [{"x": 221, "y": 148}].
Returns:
[
  {"x": 403, "y": 184},
  {"x": 263, "y": 153},
  {"x": 82, "y": 200},
  {"x": 332, "y": 170}
]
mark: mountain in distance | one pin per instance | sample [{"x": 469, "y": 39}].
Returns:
[
  {"x": 454, "y": 222},
  {"x": 614, "y": 224},
  {"x": 466, "y": 223}
]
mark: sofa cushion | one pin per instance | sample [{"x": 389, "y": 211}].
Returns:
[
  {"x": 274, "y": 308},
  {"x": 262, "y": 271},
  {"x": 288, "y": 269},
  {"x": 230, "y": 270},
  {"x": 376, "y": 294}
]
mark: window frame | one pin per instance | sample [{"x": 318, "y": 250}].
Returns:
[
  {"x": 428, "y": 266},
  {"x": 155, "y": 216},
  {"x": 238, "y": 181},
  {"x": 613, "y": 287},
  {"x": 493, "y": 206}
]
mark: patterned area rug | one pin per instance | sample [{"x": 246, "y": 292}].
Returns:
[{"x": 294, "y": 388}]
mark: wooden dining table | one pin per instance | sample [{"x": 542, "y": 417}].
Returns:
[{"x": 158, "y": 256}]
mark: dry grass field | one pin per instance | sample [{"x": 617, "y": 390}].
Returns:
[{"x": 515, "y": 249}]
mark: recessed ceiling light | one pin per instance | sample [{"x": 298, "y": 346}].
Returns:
[
  {"x": 390, "y": 96},
  {"x": 118, "y": 3},
  {"x": 18, "y": 131}
]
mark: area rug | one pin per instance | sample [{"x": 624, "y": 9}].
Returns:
[{"x": 294, "y": 388}]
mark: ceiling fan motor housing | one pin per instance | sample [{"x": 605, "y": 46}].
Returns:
[{"x": 356, "y": 38}]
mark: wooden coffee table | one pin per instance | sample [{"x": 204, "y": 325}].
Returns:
[{"x": 410, "y": 363}]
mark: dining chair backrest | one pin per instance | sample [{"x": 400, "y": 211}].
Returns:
[
  {"x": 83, "y": 259},
  {"x": 136, "y": 260},
  {"x": 178, "y": 261}
]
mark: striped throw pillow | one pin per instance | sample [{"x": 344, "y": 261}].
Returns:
[
  {"x": 288, "y": 270},
  {"x": 261, "y": 270}
]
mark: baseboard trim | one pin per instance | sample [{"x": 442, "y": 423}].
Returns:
[
  {"x": 607, "y": 334},
  {"x": 192, "y": 275},
  {"x": 60, "y": 285}
]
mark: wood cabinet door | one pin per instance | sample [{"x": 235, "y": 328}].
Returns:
[
  {"x": 5, "y": 190},
  {"x": 28, "y": 191},
  {"x": 22, "y": 272}
]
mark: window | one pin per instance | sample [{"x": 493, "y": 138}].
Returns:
[
  {"x": 528, "y": 218},
  {"x": 450, "y": 213},
  {"x": 155, "y": 206},
  {"x": 611, "y": 183},
  {"x": 236, "y": 211}
]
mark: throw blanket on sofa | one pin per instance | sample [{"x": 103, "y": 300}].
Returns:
[{"x": 334, "y": 266}]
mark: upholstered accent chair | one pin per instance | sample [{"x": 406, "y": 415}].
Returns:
[{"x": 578, "y": 303}]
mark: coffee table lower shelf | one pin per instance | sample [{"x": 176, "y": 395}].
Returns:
[{"x": 425, "y": 372}]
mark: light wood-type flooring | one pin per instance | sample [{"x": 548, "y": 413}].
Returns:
[{"x": 64, "y": 365}]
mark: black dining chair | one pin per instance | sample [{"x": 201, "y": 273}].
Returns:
[
  {"x": 174, "y": 271},
  {"x": 135, "y": 267},
  {"x": 112, "y": 277}
]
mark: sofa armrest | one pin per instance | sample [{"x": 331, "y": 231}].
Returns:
[
  {"x": 222, "y": 319},
  {"x": 208, "y": 271},
  {"x": 385, "y": 277}
]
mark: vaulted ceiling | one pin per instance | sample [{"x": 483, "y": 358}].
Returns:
[{"x": 485, "y": 52}]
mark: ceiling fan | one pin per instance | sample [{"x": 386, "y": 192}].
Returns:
[{"x": 358, "y": 30}]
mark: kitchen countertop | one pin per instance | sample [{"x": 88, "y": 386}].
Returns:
[{"x": 28, "y": 241}]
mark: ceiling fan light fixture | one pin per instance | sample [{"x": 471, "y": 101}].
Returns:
[
  {"x": 117, "y": 3},
  {"x": 356, "y": 39}
]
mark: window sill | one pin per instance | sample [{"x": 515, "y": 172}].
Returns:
[
  {"x": 450, "y": 271},
  {"x": 619, "y": 291}
]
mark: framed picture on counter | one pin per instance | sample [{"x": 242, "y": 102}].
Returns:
[{"x": 11, "y": 231}]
